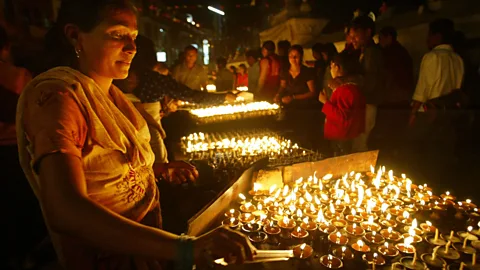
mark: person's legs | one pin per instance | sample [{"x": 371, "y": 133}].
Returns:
[{"x": 360, "y": 144}]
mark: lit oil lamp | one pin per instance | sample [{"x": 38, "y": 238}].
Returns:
[
  {"x": 338, "y": 239},
  {"x": 299, "y": 235},
  {"x": 272, "y": 231},
  {"x": 396, "y": 211},
  {"x": 428, "y": 228},
  {"x": 388, "y": 221},
  {"x": 232, "y": 213},
  {"x": 388, "y": 251},
  {"x": 302, "y": 251},
  {"x": 406, "y": 247},
  {"x": 232, "y": 222},
  {"x": 361, "y": 247},
  {"x": 448, "y": 196},
  {"x": 247, "y": 207},
  {"x": 374, "y": 238},
  {"x": 374, "y": 259},
  {"x": 435, "y": 240},
  {"x": 353, "y": 217},
  {"x": 259, "y": 210},
  {"x": 246, "y": 218},
  {"x": 370, "y": 225},
  {"x": 339, "y": 223},
  {"x": 468, "y": 236},
  {"x": 251, "y": 227},
  {"x": 405, "y": 218},
  {"x": 309, "y": 225},
  {"x": 344, "y": 253},
  {"x": 331, "y": 262},
  {"x": 412, "y": 262},
  {"x": 355, "y": 230}
]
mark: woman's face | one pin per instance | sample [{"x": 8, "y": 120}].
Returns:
[
  {"x": 295, "y": 58},
  {"x": 334, "y": 70},
  {"x": 107, "y": 51}
]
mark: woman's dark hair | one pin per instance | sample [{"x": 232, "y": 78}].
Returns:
[
  {"x": 347, "y": 63},
  {"x": 86, "y": 14},
  {"x": 146, "y": 57},
  {"x": 297, "y": 48},
  {"x": 243, "y": 66},
  {"x": 330, "y": 50}
]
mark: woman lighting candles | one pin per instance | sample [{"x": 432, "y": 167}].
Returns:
[{"x": 85, "y": 151}]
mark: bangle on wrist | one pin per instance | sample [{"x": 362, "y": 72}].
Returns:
[{"x": 185, "y": 260}]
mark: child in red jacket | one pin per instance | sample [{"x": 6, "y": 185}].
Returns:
[{"x": 345, "y": 111}]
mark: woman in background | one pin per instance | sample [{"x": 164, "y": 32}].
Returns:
[{"x": 242, "y": 76}]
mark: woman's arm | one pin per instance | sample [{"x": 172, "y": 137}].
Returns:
[
  {"x": 69, "y": 211},
  {"x": 310, "y": 94}
]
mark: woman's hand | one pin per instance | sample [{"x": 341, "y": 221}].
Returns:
[
  {"x": 277, "y": 99},
  {"x": 176, "y": 172},
  {"x": 287, "y": 99},
  {"x": 322, "y": 97},
  {"x": 223, "y": 243}
]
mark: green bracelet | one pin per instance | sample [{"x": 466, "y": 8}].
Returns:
[{"x": 185, "y": 260}]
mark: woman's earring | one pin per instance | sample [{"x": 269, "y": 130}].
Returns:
[{"x": 77, "y": 52}]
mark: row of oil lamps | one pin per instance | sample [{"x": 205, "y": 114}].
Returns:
[
  {"x": 372, "y": 218},
  {"x": 234, "y": 112}
]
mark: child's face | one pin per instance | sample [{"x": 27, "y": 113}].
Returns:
[{"x": 334, "y": 70}]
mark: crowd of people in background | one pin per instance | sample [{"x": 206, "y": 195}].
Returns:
[{"x": 360, "y": 98}]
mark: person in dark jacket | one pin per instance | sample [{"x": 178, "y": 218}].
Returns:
[{"x": 371, "y": 59}]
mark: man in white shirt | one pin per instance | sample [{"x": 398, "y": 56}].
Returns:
[{"x": 441, "y": 70}]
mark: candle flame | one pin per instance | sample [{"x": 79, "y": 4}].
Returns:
[
  {"x": 272, "y": 189},
  {"x": 329, "y": 257},
  {"x": 260, "y": 206},
  {"x": 372, "y": 169},
  {"x": 232, "y": 220},
  {"x": 357, "y": 176},
  {"x": 299, "y": 229},
  {"x": 285, "y": 191},
  {"x": 370, "y": 219},
  {"x": 447, "y": 193},
  {"x": 388, "y": 216},
  {"x": 315, "y": 179},
  {"x": 344, "y": 249},
  {"x": 429, "y": 223},
  {"x": 305, "y": 220},
  {"x": 263, "y": 217},
  {"x": 242, "y": 196},
  {"x": 390, "y": 230},
  {"x": 360, "y": 243},
  {"x": 299, "y": 213},
  {"x": 256, "y": 186},
  {"x": 320, "y": 217},
  {"x": 248, "y": 215},
  {"x": 327, "y": 176},
  {"x": 232, "y": 211},
  {"x": 470, "y": 228},
  {"x": 308, "y": 197},
  {"x": 408, "y": 241},
  {"x": 386, "y": 244},
  {"x": 468, "y": 201},
  {"x": 354, "y": 226},
  {"x": 354, "y": 213},
  {"x": 248, "y": 205},
  {"x": 414, "y": 223},
  {"x": 375, "y": 255},
  {"x": 302, "y": 247},
  {"x": 339, "y": 235},
  {"x": 406, "y": 215},
  {"x": 374, "y": 233}
]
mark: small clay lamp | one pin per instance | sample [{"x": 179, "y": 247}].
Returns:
[
  {"x": 311, "y": 211},
  {"x": 435, "y": 240},
  {"x": 256, "y": 191},
  {"x": 406, "y": 247},
  {"x": 326, "y": 228},
  {"x": 374, "y": 238},
  {"x": 396, "y": 211},
  {"x": 391, "y": 235},
  {"x": 302, "y": 251},
  {"x": 232, "y": 213},
  {"x": 331, "y": 262},
  {"x": 448, "y": 196},
  {"x": 388, "y": 251},
  {"x": 232, "y": 223},
  {"x": 405, "y": 218},
  {"x": 428, "y": 228},
  {"x": 433, "y": 261},
  {"x": 448, "y": 253},
  {"x": 287, "y": 224},
  {"x": 337, "y": 238},
  {"x": 309, "y": 225},
  {"x": 251, "y": 227},
  {"x": 259, "y": 198},
  {"x": 374, "y": 259},
  {"x": 468, "y": 234},
  {"x": 388, "y": 221},
  {"x": 476, "y": 244},
  {"x": 339, "y": 223},
  {"x": 361, "y": 247},
  {"x": 353, "y": 217},
  {"x": 344, "y": 253},
  {"x": 272, "y": 231},
  {"x": 354, "y": 230},
  {"x": 247, "y": 207},
  {"x": 257, "y": 238},
  {"x": 299, "y": 235},
  {"x": 370, "y": 225},
  {"x": 477, "y": 231},
  {"x": 246, "y": 217}
]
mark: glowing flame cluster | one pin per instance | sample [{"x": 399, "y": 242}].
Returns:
[{"x": 234, "y": 109}]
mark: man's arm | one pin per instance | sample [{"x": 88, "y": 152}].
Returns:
[{"x": 426, "y": 78}]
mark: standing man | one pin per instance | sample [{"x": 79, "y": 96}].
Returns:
[
  {"x": 189, "y": 72},
  {"x": 253, "y": 71},
  {"x": 269, "y": 81},
  {"x": 431, "y": 119},
  {"x": 361, "y": 33},
  {"x": 282, "y": 50}
]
